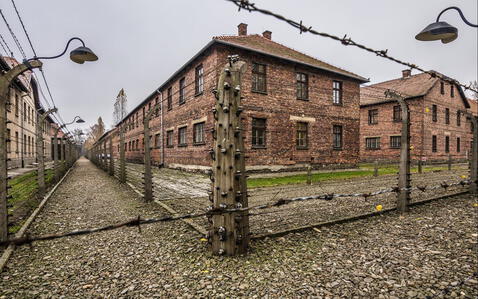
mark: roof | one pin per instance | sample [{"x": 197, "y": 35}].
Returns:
[
  {"x": 24, "y": 78},
  {"x": 410, "y": 87},
  {"x": 260, "y": 44}
]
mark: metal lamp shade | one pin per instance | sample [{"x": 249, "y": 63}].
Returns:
[
  {"x": 438, "y": 31},
  {"x": 82, "y": 54},
  {"x": 80, "y": 120}
]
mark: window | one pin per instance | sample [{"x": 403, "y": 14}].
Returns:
[
  {"x": 373, "y": 117},
  {"x": 259, "y": 77},
  {"x": 447, "y": 116},
  {"x": 170, "y": 98},
  {"x": 372, "y": 143},
  {"x": 452, "y": 91},
  {"x": 447, "y": 144},
  {"x": 24, "y": 111},
  {"x": 17, "y": 148},
  {"x": 182, "y": 136},
  {"x": 17, "y": 105},
  {"x": 137, "y": 119},
  {"x": 156, "y": 106},
  {"x": 337, "y": 132},
  {"x": 302, "y": 86},
  {"x": 199, "y": 80},
  {"x": 337, "y": 92},
  {"x": 182, "y": 99},
  {"x": 395, "y": 141},
  {"x": 458, "y": 118},
  {"x": 301, "y": 136},
  {"x": 169, "y": 138},
  {"x": 458, "y": 144},
  {"x": 258, "y": 132},
  {"x": 198, "y": 133},
  {"x": 397, "y": 113},
  {"x": 434, "y": 144},
  {"x": 442, "y": 88},
  {"x": 157, "y": 140},
  {"x": 137, "y": 144},
  {"x": 434, "y": 113},
  {"x": 9, "y": 141}
]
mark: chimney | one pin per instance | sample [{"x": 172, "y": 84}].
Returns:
[
  {"x": 242, "y": 29},
  {"x": 406, "y": 73},
  {"x": 267, "y": 34}
]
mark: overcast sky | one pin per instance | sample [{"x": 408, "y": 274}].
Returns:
[{"x": 141, "y": 43}]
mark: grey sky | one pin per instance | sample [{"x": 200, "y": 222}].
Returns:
[{"x": 141, "y": 43}]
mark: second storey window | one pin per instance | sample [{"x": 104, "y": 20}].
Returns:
[
  {"x": 434, "y": 143},
  {"x": 337, "y": 142},
  {"x": 397, "y": 113},
  {"x": 372, "y": 143},
  {"x": 169, "y": 138},
  {"x": 182, "y": 136},
  {"x": 447, "y": 116},
  {"x": 442, "y": 88},
  {"x": 258, "y": 132},
  {"x": 259, "y": 77},
  {"x": 301, "y": 135},
  {"x": 157, "y": 140},
  {"x": 199, "y": 80},
  {"x": 373, "y": 117},
  {"x": 434, "y": 113},
  {"x": 452, "y": 91},
  {"x": 170, "y": 98},
  {"x": 302, "y": 86},
  {"x": 458, "y": 118},
  {"x": 17, "y": 105},
  {"x": 198, "y": 132},
  {"x": 395, "y": 141},
  {"x": 182, "y": 98},
  {"x": 337, "y": 92}
]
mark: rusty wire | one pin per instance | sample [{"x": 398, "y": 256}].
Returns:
[
  {"x": 138, "y": 221},
  {"x": 345, "y": 40}
]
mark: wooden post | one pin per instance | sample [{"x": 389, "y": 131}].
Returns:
[
  {"x": 148, "y": 177},
  {"x": 309, "y": 175},
  {"x": 474, "y": 157},
  {"x": 229, "y": 234},
  {"x": 375, "y": 168},
  {"x": 449, "y": 162},
  {"x": 403, "y": 198},
  {"x": 112, "y": 165},
  {"x": 122, "y": 161}
]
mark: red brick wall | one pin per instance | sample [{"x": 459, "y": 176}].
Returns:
[{"x": 422, "y": 128}]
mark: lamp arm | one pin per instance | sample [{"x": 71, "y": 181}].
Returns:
[
  {"x": 64, "y": 51},
  {"x": 461, "y": 15}
]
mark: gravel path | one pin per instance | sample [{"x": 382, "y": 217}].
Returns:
[{"x": 430, "y": 249}]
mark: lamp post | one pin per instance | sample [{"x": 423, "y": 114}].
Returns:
[
  {"x": 442, "y": 30},
  {"x": 78, "y": 55}
]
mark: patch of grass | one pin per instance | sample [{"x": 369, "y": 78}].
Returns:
[{"x": 364, "y": 171}]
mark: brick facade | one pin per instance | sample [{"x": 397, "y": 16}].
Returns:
[
  {"x": 278, "y": 105},
  {"x": 423, "y": 127}
]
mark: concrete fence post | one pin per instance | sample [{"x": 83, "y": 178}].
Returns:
[
  {"x": 148, "y": 179},
  {"x": 375, "y": 168},
  {"x": 449, "y": 162},
  {"x": 474, "y": 157},
  {"x": 41, "y": 151},
  {"x": 56, "y": 166},
  {"x": 420, "y": 169},
  {"x": 309, "y": 175},
  {"x": 229, "y": 234}
]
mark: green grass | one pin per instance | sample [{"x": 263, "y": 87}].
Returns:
[{"x": 364, "y": 170}]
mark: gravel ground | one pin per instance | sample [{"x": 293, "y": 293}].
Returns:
[
  {"x": 187, "y": 193},
  {"x": 425, "y": 252}
]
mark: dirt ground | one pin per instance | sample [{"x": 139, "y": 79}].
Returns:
[{"x": 430, "y": 251}]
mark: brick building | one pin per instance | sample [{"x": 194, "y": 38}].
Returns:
[
  {"x": 297, "y": 109},
  {"x": 22, "y": 105},
  {"x": 438, "y": 128}
]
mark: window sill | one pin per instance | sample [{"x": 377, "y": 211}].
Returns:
[
  {"x": 181, "y": 103},
  {"x": 301, "y": 148},
  {"x": 395, "y": 148},
  {"x": 259, "y": 147},
  {"x": 199, "y": 94},
  {"x": 338, "y": 104},
  {"x": 170, "y": 108},
  {"x": 372, "y": 124},
  {"x": 182, "y": 145},
  {"x": 259, "y": 91},
  {"x": 199, "y": 143},
  {"x": 305, "y": 100},
  {"x": 337, "y": 149},
  {"x": 169, "y": 146},
  {"x": 373, "y": 149}
]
